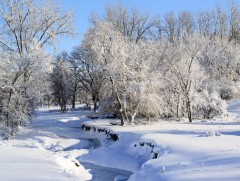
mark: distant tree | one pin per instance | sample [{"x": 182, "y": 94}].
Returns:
[
  {"x": 88, "y": 71},
  {"x": 129, "y": 22},
  {"x": 234, "y": 17},
  {"x": 186, "y": 74},
  {"x": 204, "y": 23},
  {"x": 186, "y": 24},
  {"x": 61, "y": 81}
]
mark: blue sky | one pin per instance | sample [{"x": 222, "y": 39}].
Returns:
[{"x": 83, "y": 8}]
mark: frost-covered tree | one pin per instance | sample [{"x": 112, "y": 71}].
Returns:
[
  {"x": 130, "y": 23},
  {"x": 26, "y": 20},
  {"x": 141, "y": 80},
  {"x": 27, "y": 27},
  {"x": 220, "y": 59},
  {"x": 190, "y": 75},
  {"x": 16, "y": 106},
  {"x": 61, "y": 80},
  {"x": 129, "y": 67},
  {"x": 88, "y": 71},
  {"x": 160, "y": 77},
  {"x": 182, "y": 65},
  {"x": 110, "y": 49},
  {"x": 186, "y": 74}
]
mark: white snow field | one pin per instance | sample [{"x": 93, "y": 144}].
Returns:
[
  {"x": 37, "y": 152},
  {"x": 203, "y": 150},
  {"x": 18, "y": 162},
  {"x": 54, "y": 147}
]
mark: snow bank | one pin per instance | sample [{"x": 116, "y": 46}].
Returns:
[
  {"x": 100, "y": 132},
  {"x": 178, "y": 151},
  {"x": 21, "y": 162},
  {"x": 72, "y": 166},
  {"x": 31, "y": 151}
]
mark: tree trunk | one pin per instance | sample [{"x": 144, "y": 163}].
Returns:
[
  {"x": 64, "y": 104},
  {"x": 189, "y": 111},
  {"x": 73, "y": 101},
  {"x": 121, "y": 108},
  {"x": 133, "y": 117},
  {"x": 74, "y": 96},
  {"x": 178, "y": 101},
  {"x": 86, "y": 98},
  {"x": 95, "y": 102},
  {"x": 95, "y": 106},
  {"x": 48, "y": 101},
  {"x": 134, "y": 113},
  {"x": 9, "y": 100}
]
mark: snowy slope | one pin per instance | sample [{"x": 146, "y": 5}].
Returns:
[
  {"x": 37, "y": 152},
  {"x": 21, "y": 163},
  {"x": 207, "y": 150}
]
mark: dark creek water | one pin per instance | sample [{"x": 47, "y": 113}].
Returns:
[
  {"x": 98, "y": 172},
  {"x": 62, "y": 125},
  {"x": 101, "y": 173}
]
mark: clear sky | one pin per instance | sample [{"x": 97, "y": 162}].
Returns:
[{"x": 83, "y": 8}]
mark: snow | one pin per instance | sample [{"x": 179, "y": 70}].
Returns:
[
  {"x": 20, "y": 162},
  {"x": 206, "y": 150},
  {"x": 55, "y": 148},
  {"x": 42, "y": 151}
]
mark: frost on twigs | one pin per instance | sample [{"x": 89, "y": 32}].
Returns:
[{"x": 26, "y": 28}]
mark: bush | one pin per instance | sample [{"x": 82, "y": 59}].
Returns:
[{"x": 208, "y": 105}]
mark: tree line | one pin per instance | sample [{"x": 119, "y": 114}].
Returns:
[{"x": 172, "y": 66}]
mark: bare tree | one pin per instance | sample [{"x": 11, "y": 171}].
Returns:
[
  {"x": 186, "y": 24},
  {"x": 88, "y": 71},
  {"x": 220, "y": 23},
  {"x": 170, "y": 26},
  {"x": 131, "y": 23},
  {"x": 61, "y": 81},
  {"x": 234, "y": 17}
]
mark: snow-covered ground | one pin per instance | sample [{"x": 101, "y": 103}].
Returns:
[
  {"x": 38, "y": 152},
  {"x": 208, "y": 150},
  {"x": 48, "y": 149},
  {"x": 53, "y": 146}
]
